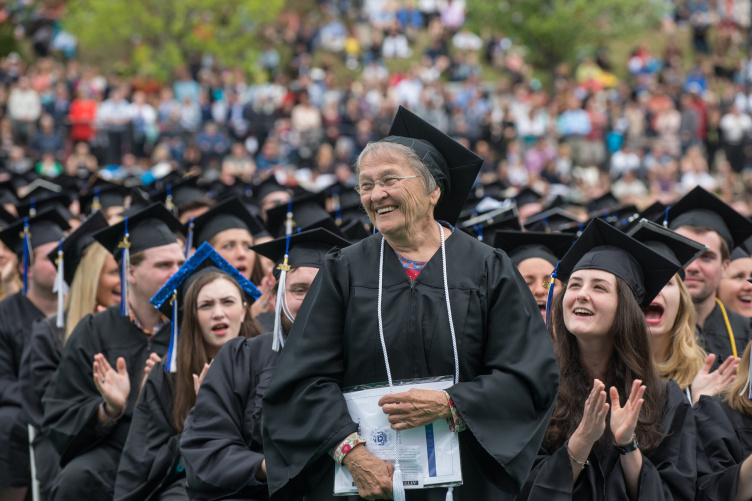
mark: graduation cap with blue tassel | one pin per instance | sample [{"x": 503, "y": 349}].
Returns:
[
  {"x": 172, "y": 294},
  {"x": 28, "y": 233},
  {"x": 153, "y": 226}
]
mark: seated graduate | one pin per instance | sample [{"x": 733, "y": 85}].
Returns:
[
  {"x": 451, "y": 306},
  {"x": 735, "y": 291},
  {"x": 706, "y": 219},
  {"x": 87, "y": 416},
  {"x": 535, "y": 254},
  {"x": 221, "y": 443},
  {"x": 213, "y": 299},
  {"x": 671, "y": 318},
  {"x": 724, "y": 430},
  {"x": 642, "y": 444},
  {"x": 93, "y": 287},
  {"x": 31, "y": 239},
  {"x": 232, "y": 230}
]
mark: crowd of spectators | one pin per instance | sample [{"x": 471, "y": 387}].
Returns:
[{"x": 680, "y": 118}]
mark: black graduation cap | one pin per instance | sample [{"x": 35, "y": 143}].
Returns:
[
  {"x": 178, "y": 194},
  {"x": 701, "y": 208},
  {"x": 41, "y": 188},
  {"x": 653, "y": 211},
  {"x": 620, "y": 217},
  {"x": 28, "y": 233},
  {"x": 484, "y": 226},
  {"x": 521, "y": 245},
  {"x": 139, "y": 201},
  {"x": 227, "y": 215},
  {"x": 307, "y": 212},
  {"x": 151, "y": 227},
  {"x": 667, "y": 243},
  {"x": 170, "y": 299},
  {"x": 30, "y": 206},
  {"x": 562, "y": 203},
  {"x": 74, "y": 243},
  {"x": 344, "y": 199},
  {"x": 306, "y": 248},
  {"x": 69, "y": 183},
  {"x": 603, "y": 202},
  {"x": 355, "y": 231},
  {"x": 267, "y": 187},
  {"x": 551, "y": 220},
  {"x": 603, "y": 247},
  {"x": 103, "y": 196},
  {"x": 453, "y": 166},
  {"x": 527, "y": 196},
  {"x": 743, "y": 250}
]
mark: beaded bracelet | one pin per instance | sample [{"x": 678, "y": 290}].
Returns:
[{"x": 582, "y": 464}]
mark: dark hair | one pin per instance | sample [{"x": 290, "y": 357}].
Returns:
[
  {"x": 701, "y": 230},
  {"x": 192, "y": 355},
  {"x": 631, "y": 359}
]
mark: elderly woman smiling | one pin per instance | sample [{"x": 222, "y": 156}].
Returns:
[{"x": 416, "y": 300}]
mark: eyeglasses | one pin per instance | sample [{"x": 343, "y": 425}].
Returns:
[
  {"x": 298, "y": 292},
  {"x": 384, "y": 182}
]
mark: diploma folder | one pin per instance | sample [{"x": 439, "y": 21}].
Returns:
[{"x": 429, "y": 455}]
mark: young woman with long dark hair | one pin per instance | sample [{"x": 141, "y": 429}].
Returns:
[{"x": 617, "y": 431}]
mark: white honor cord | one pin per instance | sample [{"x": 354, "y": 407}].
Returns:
[
  {"x": 689, "y": 396},
  {"x": 397, "y": 486}
]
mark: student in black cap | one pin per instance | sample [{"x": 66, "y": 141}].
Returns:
[
  {"x": 551, "y": 220},
  {"x": 535, "y": 255},
  {"x": 671, "y": 318},
  {"x": 228, "y": 407},
  {"x": 31, "y": 239},
  {"x": 87, "y": 418},
  {"x": 704, "y": 218},
  {"x": 641, "y": 445},
  {"x": 210, "y": 301},
  {"x": 299, "y": 214},
  {"x": 411, "y": 278},
  {"x": 185, "y": 198},
  {"x": 106, "y": 197},
  {"x": 232, "y": 230},
  {"x": 269, "y": 193},
  {"x": 91, "y": 287}
]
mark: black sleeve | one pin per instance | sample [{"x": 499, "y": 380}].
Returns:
[
  {"x": 719, "y": 453},
  {"x": 150, "y": 456},
  {"x": 10, "y": 388},
  {"x": 216, "y": 441},
  {"x": 71, "y": 401},
  {"x": 39, "y": 362}
]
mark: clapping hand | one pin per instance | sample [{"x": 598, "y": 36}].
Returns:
[
  {"x": 593, "y": 422},
  {"x": 710, "y": 383},
  {"x": 198, "y": 379},
  {"x": 150, "y": 362},
  {"x": 624, "y": 419},
  {"x": 113, "y": 385}
]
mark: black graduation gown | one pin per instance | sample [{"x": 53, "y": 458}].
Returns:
[
  {"x": 40, "y": 360},
  {"x": 17, "y": 314},
  {"x": 71, "y": 401},
  {"x": 508, "y": 373},
  {"x": 725, "y": 440},
  {"x": 715, "y": 335},
  {"x": 151, "y": 460},
  {"x": 668, "y": 471},
  {"x": 221, "y": 443}
]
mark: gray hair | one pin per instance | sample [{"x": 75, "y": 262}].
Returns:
[{"x": 398, "y": 153}]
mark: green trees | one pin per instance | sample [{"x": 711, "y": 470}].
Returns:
[{"x": 152, "y": 37}]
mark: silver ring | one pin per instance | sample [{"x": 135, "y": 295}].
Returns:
[{"x": 102, "y": 380}]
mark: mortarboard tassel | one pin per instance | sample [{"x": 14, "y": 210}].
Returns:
[
  {"x": 478, "y": 228},
  {"x": 125, "y": 264},
  {"x": 546, "y": 228},
  {"x": 60, "y": 287},
  {"x": 551, "y": 295},
  {"x": 168, "y": 199},
  {"x": 289, "y": 223},
  {"x": 171, "y": 364},
  {"x": 96, "y": 205},
  {"x": 189, "y": 239},
  {"x": 337, "y": 207},
  {"x": 665, "y": 218},
  {"x": 32, "y": 207},
  {"x": 26, "y": 235},
  {"x": 278, "y": 338}
]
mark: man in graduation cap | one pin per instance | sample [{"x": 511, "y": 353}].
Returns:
[
  {"x": 87, "y": 419},
  {"x": 31, "y": 239},
  {"x": 419, "y": 299},
  {"x": 704, "y": 218},
  {"x": 242, "y": 371}
]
